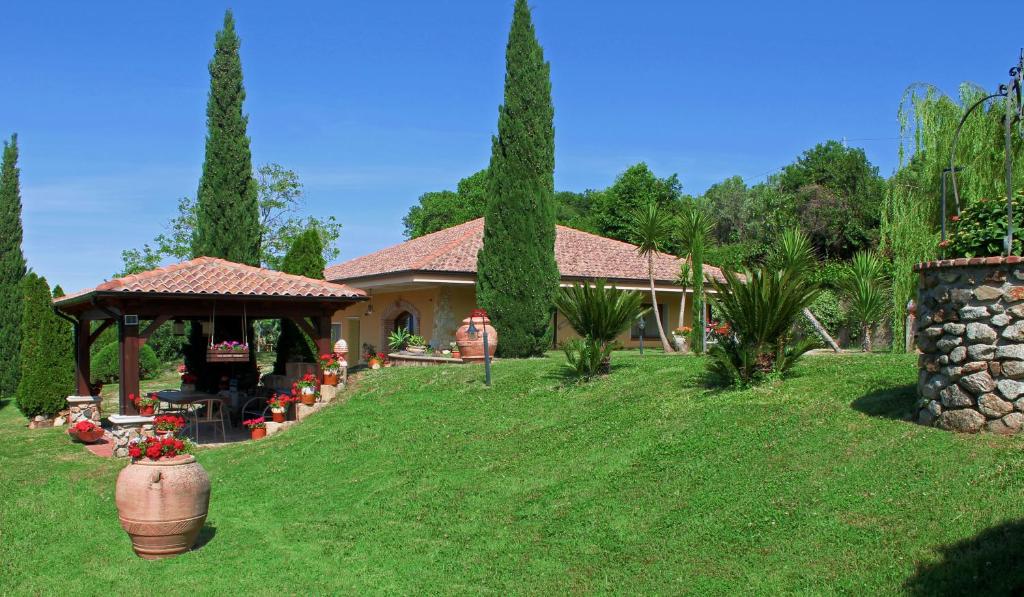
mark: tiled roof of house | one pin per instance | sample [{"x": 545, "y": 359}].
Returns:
[
  {"x": 211, "y": 276},
  {"x": 453, "y": 250}
]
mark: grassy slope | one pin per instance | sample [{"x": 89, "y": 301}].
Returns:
[{"x": 643, "y": 482}]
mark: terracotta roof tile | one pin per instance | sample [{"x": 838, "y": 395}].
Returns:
[
  {"x": 208, "y": 275},
  {"x": 453, "y": 250}
]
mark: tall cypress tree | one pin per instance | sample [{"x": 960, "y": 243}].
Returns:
[
  {"x": 226, "y": 203},
  {"x": 12, "y": 269},
  {"x": 228, "y": 214},
  {"x": 517, "y": 275},
  {"x": 304, "y": 258},
  {"x": 47, "y": 358}
]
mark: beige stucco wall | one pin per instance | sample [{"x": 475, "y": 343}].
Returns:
[{"x": 424, "y": 302}]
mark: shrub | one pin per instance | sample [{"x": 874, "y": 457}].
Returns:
[
  {"x": 46, "y": 353},
  {"x": 398, "y": 339},
  {"x": 106, "y": 365},
  {"x": 866, "y": 287},
  {"x": 167, "y": 346},
  {"x": 599, "y": 315},
  {"x": 980, "y": 228}
]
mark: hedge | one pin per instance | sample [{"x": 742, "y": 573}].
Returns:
[{"x": 106, "y": 365}]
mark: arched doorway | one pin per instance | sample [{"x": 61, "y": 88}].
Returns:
[{"x": 405, "y": 320}]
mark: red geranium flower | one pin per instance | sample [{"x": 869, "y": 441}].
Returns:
[
  {"x": 135, "y": 451},
  {"x": 154, "y": 451}
]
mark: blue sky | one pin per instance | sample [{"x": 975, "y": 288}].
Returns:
[{"x": 373, "y": 103}]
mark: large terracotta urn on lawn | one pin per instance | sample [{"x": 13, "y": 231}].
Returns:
[
  {"x": 162, "y": 504},
  {"x": 472, "y": 349}
]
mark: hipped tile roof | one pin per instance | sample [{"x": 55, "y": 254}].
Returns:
[
  {"x": 453, "y": 250},
  {"x": 217, "y": 277}
]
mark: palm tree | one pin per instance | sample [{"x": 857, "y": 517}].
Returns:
[
  {"x": 598, "y": 314},
  {"x": 652, "y": 228},
  {"x": 684, "y": 282},
  {"x": 696, "y": 226},
  {"x": 867, "y": 289}
]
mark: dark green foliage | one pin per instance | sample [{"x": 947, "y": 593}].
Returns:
[
  {"x": 695, "y": 227},
  {"x": 634, "y": 189},
  {"x": 866, "y": 289},
  {"x": 735, "y": 256},
  {"x": 106, "y": 365},
  {"x": 438, "y": 210},
  {"x": 167, "y": 347},
  {"x": 228, "y": 218},
  {"x": 58, "y": 291},
  {"x": 47, "y": 355},
  {"x": 829, "y": 312},
  {"x": 517, "y": 274},
  {"x": 12, "y": 269},
  {"x": 981, "y": 229},
  {"x": 761, "y": 311},
  {"x": 305, "y": 258},
  {"x": 839, "y": 197},
  {"x": 599, "y": 315}
]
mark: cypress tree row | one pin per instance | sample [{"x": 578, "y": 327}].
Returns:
[
  {"x": 228, "y": 215},
  {"x": 304, "y": 258},
  {"x": 12, "y": 269},
  {"x": 517, "y": 275},
  {"x": 47, "y": 358},
  {"x": 226, "y": 203}
]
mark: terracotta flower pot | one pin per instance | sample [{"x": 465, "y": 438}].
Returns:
[
  {"x": 373, "y": 363},
  {"x": 473, "y": 349},
  {"x": 309, "y": 399},
  {"x": 162, "y": 504},
  {"x": 162, "y": 432},
  {"x": 330, "y": 379},
  {"x": 146, "y": 411},
  {"x": 258, "y": 433},
  {"x": 277, "y": 416},
  {"x": 87, "y": 437}
]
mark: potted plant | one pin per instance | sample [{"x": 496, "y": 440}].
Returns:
[
  {"x": 679, "y": 336},
  {"x": 306, "y": 388},
  {"x": 86, "y": 432},
  {"x": 383, "y": 359},
  {"x": 399, "y": 339},
  {"x": 188, "y": 380},
  {"x": 162, "y": 497},
  {"x": 372, "y": 361},
  {"x": 230, "y": 351},
  {"x": 257, "y": 427},
  {"x": 168, "y": 424},
  {"x": 330, "y": 367},
  {"x": 146, "y": 405},
  {"x": 454, "y": 346},
  {"x": 279, "y": 406},
  {"x": 416, "y": 345}
]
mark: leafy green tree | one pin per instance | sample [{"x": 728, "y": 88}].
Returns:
[
  {"x": 280, "y": 204},
  {"x": 651, "y": 228},
  {"x": 696, "y": 228},
  {"x": 227, "y": 223},
  {"x": 12, "y": 269},
  {"x": 599, "y": 315},
  {"x": 517, "y": 273},
  {"x": 730, "y": 201},
  {"x": 867, "y": 290},
  {"x": 634, "y": 190},
  {"x": 305, "y": 258},
  {"x": 46, "y": 353},
  {"x": 839, "y": 197},
  {"x": 438, "y": 210}
]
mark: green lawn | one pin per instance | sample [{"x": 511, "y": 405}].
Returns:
[{"x": 424, "y": 481}]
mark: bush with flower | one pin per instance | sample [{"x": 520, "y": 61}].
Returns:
[
  {"x": 280, "y": 402},
  {"x": 257, "y": 423},
  {"x": 156, "y": 448},
  {"x": 329, "y": 364},
  {"x": 230, "y": 346},
  {"x": 303, "y": 385},
  {"x": 84, "y": 427},
  {"x": 980, "y": 229},
  {"x": 172, "y": 423},
  {"x": 144, "y": 402}
]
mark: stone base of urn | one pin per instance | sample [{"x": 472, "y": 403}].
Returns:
[
  {"x": 970, "y": 332},
  {"x": 125, "y": 428},
  {"x": 84, "y": 408}
]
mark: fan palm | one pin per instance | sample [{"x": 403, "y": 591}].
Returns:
[
  {"x": 651, "y": 227},
  {"x": 598, "y": 314},
  {"x": 866, "y": 287}
]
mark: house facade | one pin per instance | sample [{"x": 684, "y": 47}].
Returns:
[{"x": 428, "y": 285}]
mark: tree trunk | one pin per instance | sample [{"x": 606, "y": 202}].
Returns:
[
  {"x": 867, "y": 338},
  {"x": 821, "y": 330},
  {"x": 654, "y": 302}
]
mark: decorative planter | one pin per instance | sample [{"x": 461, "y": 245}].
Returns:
[
  {"x": 330, "y": 379},
  {"x": 146, "y": 411},
  {"x": 227, "y": 356},
  {"x": 473, "y": 349},
  {"x": 87, "y": 437},
  {"x": 416, "y": 349},
  {"x": 679, "y": 343},
  {"x": 970, "y": 331},
  {"x": 456, "y": 354},
  {"x": 258, "y": 433},
  {"x": 277, "y": 415},
  {"x": 341, "y": 349},
  {"x": 373, "y": 363},
  {"x": 308, "y": 398},
  {"x": 162, "y": 504}
]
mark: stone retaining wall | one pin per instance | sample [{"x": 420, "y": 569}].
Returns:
[{"x": 970, "y": 331}]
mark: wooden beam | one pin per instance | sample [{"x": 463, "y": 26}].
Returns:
[
  {"x": 153, "y": 325},
  {"x": 91, "y": 338},
  {"x": 323, "y": 339},
  {"x": 82, "y": 363},
  {"x": 129, "y": 382}
]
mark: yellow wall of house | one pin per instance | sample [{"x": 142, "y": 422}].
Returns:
[{"x": 460, "y": 299}]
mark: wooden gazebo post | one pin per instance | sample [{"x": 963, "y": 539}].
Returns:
[{"x": 129, "y": 370}]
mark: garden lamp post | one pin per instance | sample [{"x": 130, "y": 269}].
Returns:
[
  {"x": 641, "y": 324},
  {"x": 473, "y": 332}
]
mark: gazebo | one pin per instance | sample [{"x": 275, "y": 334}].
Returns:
[{"x": 193, "y": 290}]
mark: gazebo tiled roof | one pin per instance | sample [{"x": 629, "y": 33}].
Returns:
[
  {"x": 214, "y": 277},
  {"x": 580, "y": 255}
]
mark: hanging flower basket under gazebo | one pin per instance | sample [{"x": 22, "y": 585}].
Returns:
[{"x": 231, "y": 351}]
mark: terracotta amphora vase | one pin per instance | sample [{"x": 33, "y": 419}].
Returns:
[
  {"x": 473, "y": 349},
  {"x": 162, "y": 504}
]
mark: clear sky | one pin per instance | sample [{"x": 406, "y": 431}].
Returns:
[{"x": 373, "y": 103}]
